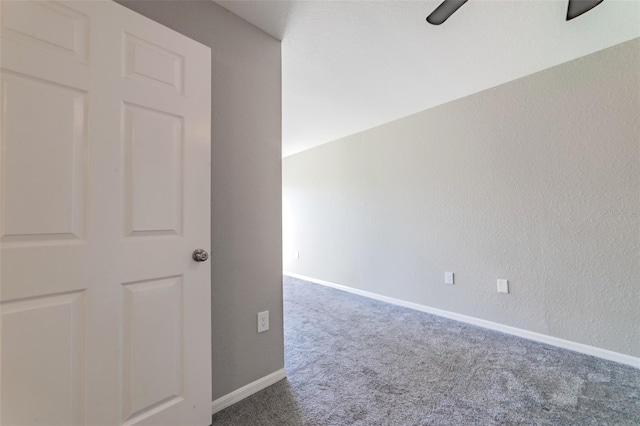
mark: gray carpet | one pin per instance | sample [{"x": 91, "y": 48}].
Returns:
[{"x": 355, "y": 361}]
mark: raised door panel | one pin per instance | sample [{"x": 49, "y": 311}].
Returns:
[
  {"x": 48, "y": 26},
  {"x": 44, "y": 145},
  {"x": 43, "y": 350},
  {"x": 153, "y": 145},
  {"x": 151, "y": 64},
  {"x": 153, "y": 377}
]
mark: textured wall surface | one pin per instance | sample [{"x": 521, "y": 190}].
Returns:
[
  {"x": 246, "y": 135},
  {"x": 536, "y": 181}
]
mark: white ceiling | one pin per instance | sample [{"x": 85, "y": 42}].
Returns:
[{"x": 351, "y": 65}]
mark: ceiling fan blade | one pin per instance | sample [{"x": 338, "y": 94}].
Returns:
[
  {"x": 445, "y": 10},
  {"x": 578, "y": 7}
]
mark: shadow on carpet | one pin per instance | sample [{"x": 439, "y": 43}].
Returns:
[{"x": 356, "y": 361}]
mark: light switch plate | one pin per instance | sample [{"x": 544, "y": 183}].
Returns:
[{"x": 503, "y": 286}]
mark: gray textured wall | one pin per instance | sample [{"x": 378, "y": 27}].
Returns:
[
  {"x": 246, "y": 197},
  {"x": 536, "y": 181}
]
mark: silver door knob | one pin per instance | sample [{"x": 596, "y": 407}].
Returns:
[{"x": 200, "y": 255}]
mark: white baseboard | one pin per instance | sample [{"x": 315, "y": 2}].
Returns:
[
  {"x": 538, "y": 337},
  {"x": 245, "y": 391}
]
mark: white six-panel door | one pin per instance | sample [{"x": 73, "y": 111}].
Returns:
[{"x": 105, "y": 186}]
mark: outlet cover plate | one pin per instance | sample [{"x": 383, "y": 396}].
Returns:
[
  {"x": 503, "y": 286},
  {"x": 448, "y": 278},
  {"x": 263, "y": 321}
]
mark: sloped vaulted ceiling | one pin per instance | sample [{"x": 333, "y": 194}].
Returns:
[{"x": 351, "y": 65}]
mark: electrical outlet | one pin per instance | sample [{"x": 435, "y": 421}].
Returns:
[
  {"x": 448, "y": 278},
  {"x": 263, "y": 321},
  {"x": 503, "y": 286}
]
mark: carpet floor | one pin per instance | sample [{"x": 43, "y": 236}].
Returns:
[{"x": 356, "y": 361}]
